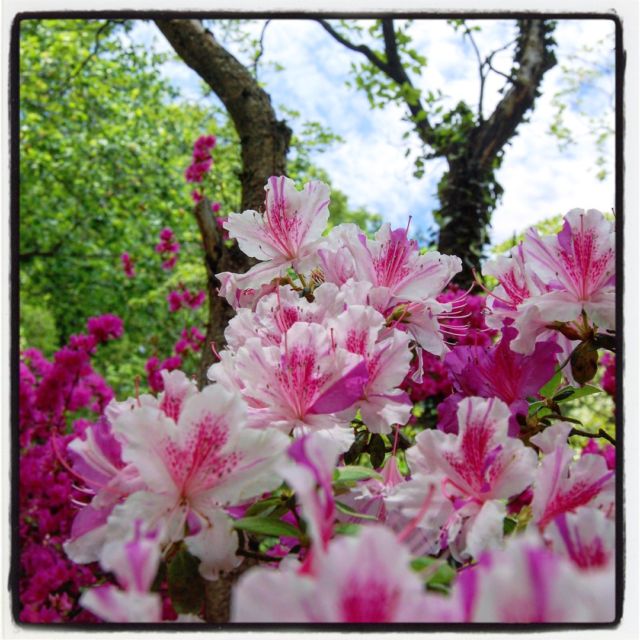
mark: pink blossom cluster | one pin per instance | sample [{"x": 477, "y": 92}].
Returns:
[
  {"x": 183, "y": 298},
  {"x": 191, "y": 340},
  {"x": 609, "y": 376},
  {"x": 127, "y": 265},
  {"x": 51, "y": 392},
  {"x": 154, "y": 368},
  {"x": 470, "y": 329},
  {"x": 491, "y": 517},
  {"x": 168, "y": 248},
  {"x": 563, "y": 283},
  {"x": 201, "y": 160}
]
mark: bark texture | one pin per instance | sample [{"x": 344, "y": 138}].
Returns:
[{"x": 264, "y": 144}]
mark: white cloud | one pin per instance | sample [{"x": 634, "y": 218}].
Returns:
[{"x": 371, "y": 167}]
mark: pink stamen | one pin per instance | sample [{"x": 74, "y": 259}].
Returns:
[
  {"x": 212, "y": 344},
  {"x": 395, "y": 440},
  {"x": 63, "y": 462},
  {"x": 416, "y": 521}
]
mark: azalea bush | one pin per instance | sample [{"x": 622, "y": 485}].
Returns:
[{"x": 374, "y": 445}]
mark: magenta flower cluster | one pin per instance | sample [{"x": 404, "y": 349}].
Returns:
[
  {"x": 168, "y": 248},
  {"x": 51, "y": 392},
  {"x": 127, "y": 265},
  {"x": 183, "y": 298},
  {"x": 202, "y": 161}
]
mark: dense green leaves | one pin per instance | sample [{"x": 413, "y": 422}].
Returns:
[{"x": 104, "y": 141}]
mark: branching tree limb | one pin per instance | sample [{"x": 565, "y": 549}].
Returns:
[
  {"x": 533, "y": 59},
  {"x": 472, "y": 146}
]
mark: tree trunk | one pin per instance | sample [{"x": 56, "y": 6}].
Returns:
[
  {"x": 264, "y": 144},
  {"x": 467, "y": 195}
]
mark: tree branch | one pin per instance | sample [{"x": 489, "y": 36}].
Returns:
[
  {"x": 260, "y": 51},
  {"x": 481, "y": 66},
  {"x": 586, "y": 434},
  {"x": 393, "y": 69},
  {"x": 359, "y": 48},
  {"x": 96, "y": 48},
  {"x": 533, "y": 57},
  {"x": 264, "y": 139}
]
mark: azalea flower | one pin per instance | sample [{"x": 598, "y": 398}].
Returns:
[
  {"x": 361, "y": 330},
  {"x": 479, "y": 468},
  {"x": 194, "y": 456},
  {"x": 285, "y": 234},
  {"x": 586, "y": 536},
  {"x": 553, "y": 281},
  {"x": 134, "y": 562},
  {"x": 562, "y": 485},
  {"x": 362, "y": 579},
  {"x": 497, "y": 372},
  {"x": 525, "y": 582},
  {"x": 310, "y": 475},
  {"x": 300, "y": 386}
]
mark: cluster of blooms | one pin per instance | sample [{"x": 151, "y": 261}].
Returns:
[
  {"x": 127, "y": 265},
  {"x": 469, "y": 329},
  {"x": 191, "y": 340},
  {"x": 609, "y": 377},
  {"x": 563, "y": 283},
  {"x": 154, "y": 368},
  {"x": 50, "y": 393},
  {"x": 183, "y": 298},
  {"x": 168, "y": 248},
  {"x": 327, "y": 329},
  {"x": 201, "y": 162}
]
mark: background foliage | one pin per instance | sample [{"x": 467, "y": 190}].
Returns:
[{"x": 104, "y": 141}]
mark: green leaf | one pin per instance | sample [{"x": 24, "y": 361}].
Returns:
[
  {"x": 358, "y": 446},
  {"x": 346, "y": 509},
  {"x": 442, "y": 578},
  {"x": 550, "y": 387},
  {"x": 186, "y": 585},
  {"x": 267, "y": 527},
  {"x": 347, "y": 528},
  {"x": 376, "y": 450},
  {"x": 509, "y": 525},
  {"x": 572, "y": 393},
  {"x": 264, "y": 507},
  {"x": 353, "y": 473}
]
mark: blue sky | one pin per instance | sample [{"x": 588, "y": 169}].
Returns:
[{"x": 370, "y": 165}]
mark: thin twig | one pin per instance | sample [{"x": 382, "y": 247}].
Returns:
[
  {"x": 260, "y": 52},
  {"x": 96, "y": 48},
  {"x": 256, "y": 556},
  {"x": 360, "y": 48},
  {"x": 481, "y": 65},
  {"x": 586, "y": 434}
]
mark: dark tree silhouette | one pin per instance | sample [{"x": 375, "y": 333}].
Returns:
[{"x": 472, "y": 145}]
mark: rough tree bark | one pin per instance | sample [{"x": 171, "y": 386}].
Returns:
[
  {"x": 469, "y": 189},
  {"x": 264, "y": 144}
]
